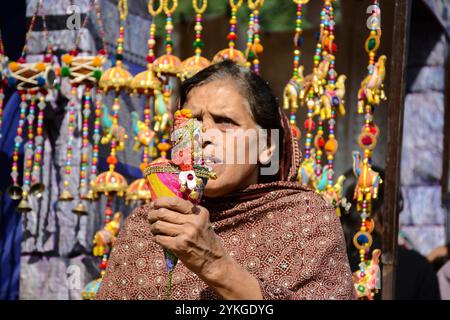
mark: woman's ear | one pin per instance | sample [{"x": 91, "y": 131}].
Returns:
[{"x": 266, "y": 155}]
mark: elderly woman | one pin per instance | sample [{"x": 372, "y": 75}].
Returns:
[{"x": 254, "y": 236}]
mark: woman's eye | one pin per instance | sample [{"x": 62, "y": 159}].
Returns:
[{"x": 224, "y": 120}]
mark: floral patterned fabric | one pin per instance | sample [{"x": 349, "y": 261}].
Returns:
[{"x": 290, "y": 239}]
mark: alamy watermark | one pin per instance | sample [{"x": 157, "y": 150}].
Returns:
[
  {"x": 73, "y": 22},
  {"x": 73, "y": 277},
  {"x": 241, "y": 146}
]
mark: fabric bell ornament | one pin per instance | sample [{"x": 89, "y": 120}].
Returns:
[{"x": 184, "y": 176}]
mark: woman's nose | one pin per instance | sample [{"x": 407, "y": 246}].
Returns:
[
  {"x": 207, "y": 124},
  {"x": 209, "y": 131},
  {"x": 207, "y": 139}
]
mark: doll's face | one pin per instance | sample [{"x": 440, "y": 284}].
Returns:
[{"x": 226, "y": 114}]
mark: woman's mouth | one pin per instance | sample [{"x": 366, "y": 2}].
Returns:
[{"x": 211, "y": 161}]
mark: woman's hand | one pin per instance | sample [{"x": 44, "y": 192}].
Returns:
[{"x": 186, "y": 230}]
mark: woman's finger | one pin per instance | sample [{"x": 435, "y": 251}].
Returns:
[
  {"x": 164, "y": 241},
  {"x": 175, "y": 204},
  {"x": 165, "y": 228},
  {"x": 168, "y": 216}
]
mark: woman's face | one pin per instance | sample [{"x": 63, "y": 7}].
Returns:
[{"x": 225, "y": 112}]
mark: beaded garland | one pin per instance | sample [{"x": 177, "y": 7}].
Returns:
[
  {"x": 84, "y": 72},
  {"x": 83, "y": 186},
  {"x": 32, "y": 80},
  {"x": 66, "y": 195},
  {"x": 149, "y": 85},
  {"x": 112, "y": 183},
  {"x": 85, "y": 139},
  {"x": 254, "y": 46},
  {"x": 332, "y": 104},
  {"x": 15, "y": 191},
  {"x": 145, "y": 83},
  {"x": 231, "y": 52},
  {"x": 319, "y": 140},
  {"x": 367, "y": 278},
  {"x": 24, "y": 206},
  {"x": 37, "y": 187},
  {"x": 292, "y": 90},
  {"x": 152, "y": 41},
  {"x": 330, "y": 147},
  {"x": 311, "y": 91},
  {"x": 90, "y": 195},
  {"x": 323, "y": 94},
  {"x": 194, "y": 64},
  {"x": 168, "y": 64}
]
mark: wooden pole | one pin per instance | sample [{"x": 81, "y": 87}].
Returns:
[
  {"x": 395, "y": 105},
  {"x": 446, "y": 156}
]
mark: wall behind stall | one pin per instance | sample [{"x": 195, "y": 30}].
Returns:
[{"x": 423, "y": 218}]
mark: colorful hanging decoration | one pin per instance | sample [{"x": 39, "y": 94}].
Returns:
[
  {"x": 32, "y": 81},
  {"x": 367, "y": 278},
  {"x": 83, "y": 69},
  {"x": 323, "y": 94},
  {"x": 184, "y": 176},
  {"x": 312, "y": 89},
  {"x": 37, "y": 187},
  {"x": 66, "y": 195},
  {"x": 165, "y": 67},
  {"x": 91, "y": 195},
  {"x": 104, "y": 241},
  {"x": 332, "y": 105},
  {"x": 168, "y": 64},
  {"x": 91, "y": 289},
  {"x": 254, "y": 46},
  {"x": 371, "y": 90},
  {"x": 319, "y": 139},
  {"x": 291, "y": 93},
  {"x": 231, "y": 52},
  {"x": 83, "y": 73},
  {"x": 139, "y": 192},
  {"x": 163, "y": 147},
  {"x": 26, "y": 77},
  {"x": 139, "y": 189},
  {"x": 144, "y": 134},
  {"x": 194, "y": 64},
  {"x": 80, "y": 208},
  {"x": 146, "y": 84},
  {"x": 115, "y": 79}
]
